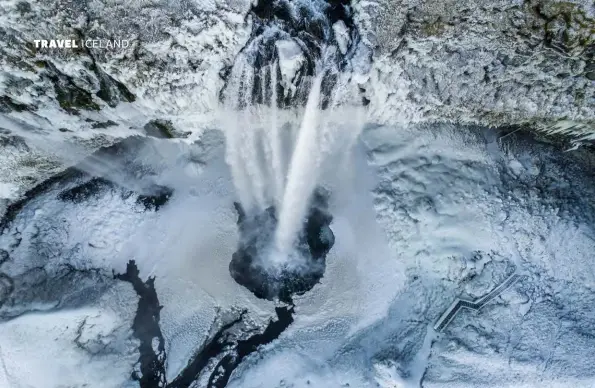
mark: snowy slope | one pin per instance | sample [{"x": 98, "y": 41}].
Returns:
[
  {"x": 454, "y": 228},
  {"x": 488, "y": 63},
  {"x": 420, "y": 219},
  {"x": 69, "y": 347},
  {"x": 423, "y": 211}
]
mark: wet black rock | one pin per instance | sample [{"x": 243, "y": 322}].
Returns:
[
  {"x": 111, "y": 90},
  {"x": 230, "y": 345},
  {"x": 104, "y": 124},
  {"x": 92, "y": 188},
  {"x": 71, "y": 97},
  {"x": 163, "y": 129},
  {"x": 152, "y": 359},
  {"x": 155, "y": 197},
  {"x": 80, "y": 186},
  {"x": 8, "y": 105},
  {"x": 251, "y": 267},
  {"x": 152, "y": 198}
]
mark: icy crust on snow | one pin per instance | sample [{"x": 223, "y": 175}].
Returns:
[
  {"x": 20, "y": 168},
  {"x": 461, "y": 211},
  {"x": 495, "y": 63},
  {"x": 61, "y": 252},
  {"x": 419, "y": 219},
  {"x": 72, "y": 347},
  {"x": 446, "y": 198}
]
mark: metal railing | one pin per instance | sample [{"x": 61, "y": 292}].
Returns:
[{"x": 459, "y": 303}]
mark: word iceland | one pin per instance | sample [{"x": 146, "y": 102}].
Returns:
[{"x": 88, "y": 43}]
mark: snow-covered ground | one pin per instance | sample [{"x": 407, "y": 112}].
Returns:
[
  {"x": 419, "y": 218},
  {"x": 486, "y": 62},
  {"x": 460, "y": 209},
  {"x": 424, "y": 211},
  {"x": 483, "y": 62},
  {"x": 72, "y": 347}
]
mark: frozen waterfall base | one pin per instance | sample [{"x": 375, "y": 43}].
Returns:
[{"x": 301, "y": 271}]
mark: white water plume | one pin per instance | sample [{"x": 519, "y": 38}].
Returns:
[
  {"x": 67, "y": 154},
  {"x": 275, "y": 138},
  {"x": 265, "y": 172},
  {"x": 301, "y": 178},
  {"x": 235, "y": 125}
]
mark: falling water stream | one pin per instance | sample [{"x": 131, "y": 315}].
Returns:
[
  {"x": 267, "y": 173},
  {"x": 301, "y": 177}
]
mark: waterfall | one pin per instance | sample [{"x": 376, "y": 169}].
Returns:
[
  {"x": 235, "y": 149},
  {"x": 275, "y": 138},
  {"x": 302, "y": 174},
  {"x": 284, "y": 118},
  {"x": 264, "y": 172}
]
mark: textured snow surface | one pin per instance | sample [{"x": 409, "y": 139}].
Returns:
[
  {"x": 172, "y": 65},
  {"x": 484, "y": 62},
  {"x": 487, "y": 62},
  {"x": 481, "y": 62},
  {"x": 460, "y": 210},
  {"x": 187, "y": 250},
  {"x": 419, "y": 219},
  {"x": 68, "y": 348},
  {"x": 423, "y": 213}
]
